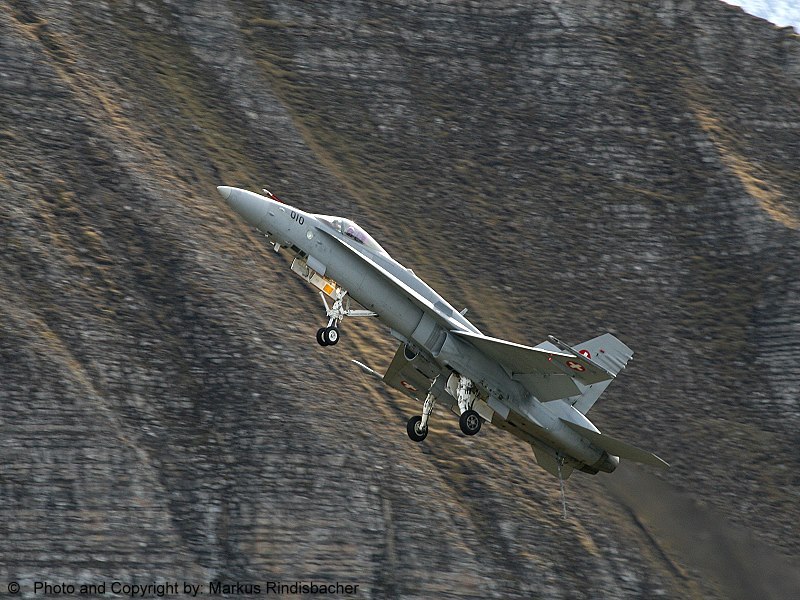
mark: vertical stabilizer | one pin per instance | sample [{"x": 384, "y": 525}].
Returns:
[{"x": 608, "y": 352}]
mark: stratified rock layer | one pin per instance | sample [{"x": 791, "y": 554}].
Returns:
[{"x": 558, "y": 167}]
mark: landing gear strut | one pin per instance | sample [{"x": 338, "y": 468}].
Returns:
[
  {"x": 464, "y": 391},
  {"x": 329, "y": 336},
  {"x": 418, "y": 425}
]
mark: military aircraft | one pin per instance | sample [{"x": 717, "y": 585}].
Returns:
[{"x": 540, "y": 394}]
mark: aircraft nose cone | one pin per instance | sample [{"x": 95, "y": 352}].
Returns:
[
  {"x": 250, "y": 206},
  {"x": 224, "y": 191}
]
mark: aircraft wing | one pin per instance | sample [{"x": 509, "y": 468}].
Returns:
[{"x": 549, "y": 374}]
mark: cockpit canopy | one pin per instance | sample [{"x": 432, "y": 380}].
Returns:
[{"x": 352, "y": 230}]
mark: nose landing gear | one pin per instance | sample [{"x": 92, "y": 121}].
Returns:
[{"x": 329, "y": 336}]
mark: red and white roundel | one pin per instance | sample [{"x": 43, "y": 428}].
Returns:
[
  {"x": 408, "y": 386},
  {"x": 575, "y": 366},
  {"x": 586, "y": 353}
]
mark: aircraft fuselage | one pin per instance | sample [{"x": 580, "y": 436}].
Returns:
[{"x": 351, "y": 264}]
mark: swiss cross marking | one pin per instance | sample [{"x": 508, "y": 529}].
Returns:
[{"x": 575, "y": 366}]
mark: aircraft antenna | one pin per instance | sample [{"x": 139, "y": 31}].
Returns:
[{"x": 560, "y": 461}]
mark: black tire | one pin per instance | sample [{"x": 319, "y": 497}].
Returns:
[
  {"x": 470, "y": 422},
  {"x": 321, "y": 337},
  {"x": 331, "y": 335},
  {"x": 415, "y": 435}
]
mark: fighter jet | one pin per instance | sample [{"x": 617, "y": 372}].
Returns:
[{"x": 541, "y": 394}]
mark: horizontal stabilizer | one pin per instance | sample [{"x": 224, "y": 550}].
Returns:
[{"x": 617, "y": 447}]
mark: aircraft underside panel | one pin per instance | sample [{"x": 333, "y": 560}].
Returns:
[
  {"x": 323, "y": 284},
  {"x": 548, "y": 386},
  {"x": 412, "y": 377}
]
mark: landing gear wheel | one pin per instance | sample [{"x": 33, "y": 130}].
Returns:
[
  {"x": 470, "y": 422},
  {"x": 321, "y": 337},
  {"x": 331, "y": 336},
  {"x": 413, "y": 429}
]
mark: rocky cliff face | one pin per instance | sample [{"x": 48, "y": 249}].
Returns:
[{"x": 558, "y": 167}]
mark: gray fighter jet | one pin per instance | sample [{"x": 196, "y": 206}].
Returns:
[{"x": 540, "y": 394}]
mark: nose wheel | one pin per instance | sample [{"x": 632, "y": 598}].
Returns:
[{"x": 328, "y": 336}]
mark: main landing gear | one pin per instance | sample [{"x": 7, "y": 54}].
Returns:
[
  {"x": 329, "y": 336},
  {"x": 470, "y": 421},
  {"x": 417, "y": 426}
]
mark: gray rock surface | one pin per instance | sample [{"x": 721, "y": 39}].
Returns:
[{"x": 562, "y": 167}]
